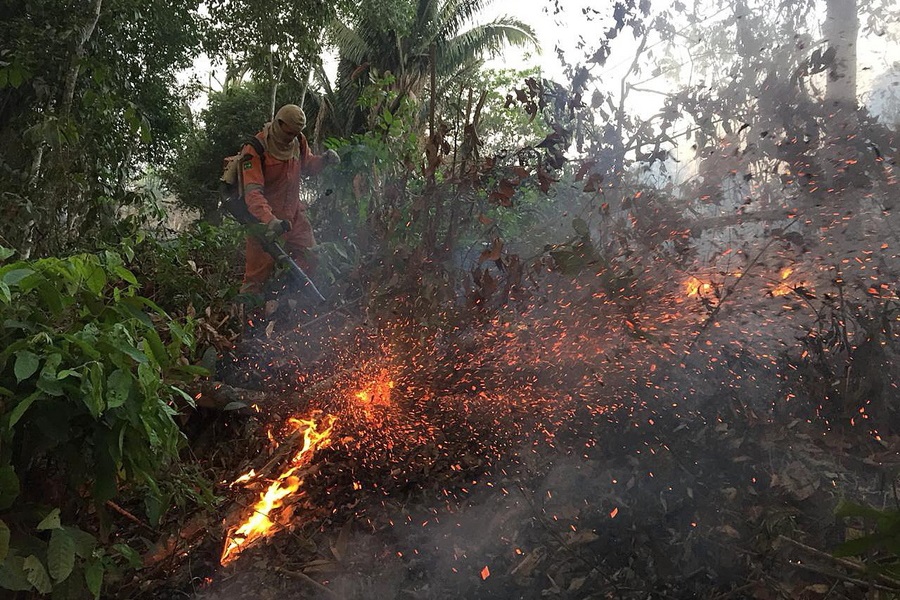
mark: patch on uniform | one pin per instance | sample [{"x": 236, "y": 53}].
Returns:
[{"x": 248, "y": 165}]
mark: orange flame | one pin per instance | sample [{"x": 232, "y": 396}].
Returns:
[
  {"x": 259, "y": 524},
  {"x": 785, "y": 287},
  {"x": 376, "y": 394},
  {"x": 694, "y": 287}
]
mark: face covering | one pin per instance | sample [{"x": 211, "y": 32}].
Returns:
[{"x": 282, "y": 132}]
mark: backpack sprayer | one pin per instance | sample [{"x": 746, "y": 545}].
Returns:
[{"x": 233, "y": 201}]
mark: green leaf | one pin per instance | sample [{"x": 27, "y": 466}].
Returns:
[
  {"x": 37, "y": 574},
  {"x": 131, "y": 351},
  {"x": 84, "y": 542},
  {"x": 6, "y": 252},
  {"x": 93, "y": 576},
  {"x": 125, "y": 274},
  {"x": 12, "y": 575},
  {"x": 27, "y": 364},
  {"x": 68, "y": 373},
  {"x": 96, "y": 278},
  {"x": 9, "y": 487},
  {"x": 60, "y": 555},
  {"x": 118, "y": 385},
  {"x": 51, "y": 521},
  {"x": 21, "y": 407},
  {"x": 154, "y": 346},
  {"x": 4, "y": 541},
  {"x": 129, "y": 554},
  {"x": 581, "y": 227},
  {"x": 851, "y": 509},
  {"x": 14, "y": 276},
  {"x": 92, "y": 390},
  {"x": 5, "y": 294}
]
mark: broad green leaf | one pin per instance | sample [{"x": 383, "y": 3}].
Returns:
[
  {"x": 93, "y": 577},
  {"x": 129, "y": 554},
  {"x": 581, "y": 227},
  {"x": 131, "y": 351},
  {"x": 96, "y": 278},
  {"x": 21, "y": 407},
  {"x": 60, "y": 555},
  {"x": 118, "y": 385},
  {"x": 125, "y": 274},
  {"x": 6, "y": 252},
  {"x": 27, "y": 364},
  {"x": 68, "y": 373},
  {"x": 12, "y": 575},
  {"x": 37, "y": 574},
  {"x": 14, "y": 276},
  {"x": 84, "y": 542},
  {"x": 4, "y": 541},
  {"x": 5, "y": 294},
  {"x": 51, "y": 521},
  {"x": 92, "y": 390},
  {"x": 851, "y": 509},
  {"x": 154, "y": 346},
  {"x": 9, "y": 487}
]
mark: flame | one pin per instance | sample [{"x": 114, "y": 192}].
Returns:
[
  {"x": 376, "y": 394},
  {"x": 259, "y": 524},
  {"x": 785, "y": 287},
  {"x": 695, "y": 287}
]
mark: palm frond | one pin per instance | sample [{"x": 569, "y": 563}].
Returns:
[
  {"x": 455, "y": 14},
  {"x": 353, "y": 46},
  {"x": 490, "y": 39}
]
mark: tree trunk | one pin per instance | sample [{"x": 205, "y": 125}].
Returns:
[
  {"x": 841, "y": 31},
  {"x": 75, "y": 66}
]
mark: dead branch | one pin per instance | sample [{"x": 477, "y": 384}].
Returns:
[
  {"x": 307, "y": 579},
  {"x": 844, "y": 562},
  {"x": 131, "y": 517},
  {"x": 221, "y": 396}
]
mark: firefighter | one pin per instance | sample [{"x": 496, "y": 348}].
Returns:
[{"x": 272, "y": 193}]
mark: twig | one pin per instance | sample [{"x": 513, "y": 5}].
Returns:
[
  {"x": 131, "y": 517},
  {"x": 729, "y": 290},
  {"x": 849, "y": 564},
  {"x": 306, "y": 578},
  {"x": 843, "y": 577}
]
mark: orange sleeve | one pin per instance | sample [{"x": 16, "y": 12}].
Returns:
[
  {"x": 312, "y": 163},
  {"x": 254, "y": 184}
]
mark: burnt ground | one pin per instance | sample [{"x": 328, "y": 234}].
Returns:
[{"x": 534, "y": 456}]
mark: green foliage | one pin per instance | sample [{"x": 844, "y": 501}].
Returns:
[
  {"x": 197, "y": 269},
  {"x": 87, "y": 400},
  {"x": 230, "y": 118},
  {"x": 878, "y": 544},
  {"x": 401, "y": 41},
  {"x": 84, "y": 104}
]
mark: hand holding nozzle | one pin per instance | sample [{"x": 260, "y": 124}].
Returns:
[{"x": 276, "y": 227}]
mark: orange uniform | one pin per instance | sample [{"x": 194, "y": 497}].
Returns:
[{"x": 274, "y": 193}]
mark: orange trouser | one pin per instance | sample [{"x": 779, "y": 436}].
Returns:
[{"x": 296, "y": 242}]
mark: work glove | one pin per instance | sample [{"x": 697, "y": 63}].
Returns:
[
  {"x": 275, "y": 228},
  {"x": 330, "y": 157}
]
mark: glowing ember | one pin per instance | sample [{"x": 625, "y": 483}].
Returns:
[
  {"x": 376, "y": 394},
  {"x": 259, "y": 524},
  {"x": 695, "y": 287},
  {"x": 785, "y": 286}
]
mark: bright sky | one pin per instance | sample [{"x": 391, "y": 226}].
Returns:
[{"x": 576, "y": 35}]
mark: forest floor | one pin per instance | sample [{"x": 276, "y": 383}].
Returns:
[{"x": 531, "y": 459}]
